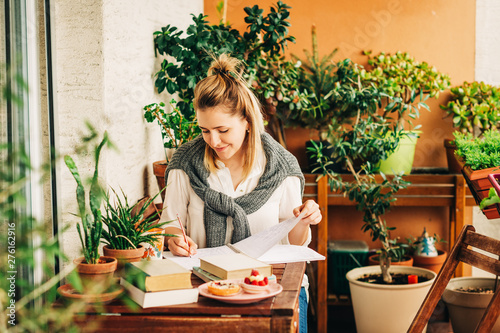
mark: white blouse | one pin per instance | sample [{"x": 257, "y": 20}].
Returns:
[{"x": 182, "y": 201}]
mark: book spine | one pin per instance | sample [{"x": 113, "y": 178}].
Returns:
[
  {"x": 135, "y": 276},
  {"x": 215, "y": 270},
  {"x": 204, "y": 275}
]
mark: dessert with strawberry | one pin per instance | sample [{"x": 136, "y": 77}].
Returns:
[
  {"x": 255, "y": 283},
  {"x": 256, "y": 279}
]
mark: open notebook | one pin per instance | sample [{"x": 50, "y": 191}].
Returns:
[{"x": 262, "y": 246}]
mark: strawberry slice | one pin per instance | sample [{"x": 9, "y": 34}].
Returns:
[
  {"x": 266, "y": 280},
  {"x": 262, "y": 283},
  {"x": 255, "y": 283},
  {"x": 255, "y": 272},
  {"x": 247, "y": 280}
]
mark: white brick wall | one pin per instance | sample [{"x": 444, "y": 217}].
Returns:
[
  {"x": 487, "y": 70},
  {"x": 104, "y": 66}
]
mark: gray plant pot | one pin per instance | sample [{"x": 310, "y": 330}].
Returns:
[{"x": 466, "y": 309}]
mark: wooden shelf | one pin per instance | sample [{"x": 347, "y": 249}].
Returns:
[{"x": 425, "y": 190}]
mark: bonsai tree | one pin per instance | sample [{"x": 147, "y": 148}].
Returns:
[
  {"x": 474, "y": 107},
  {"x": 90, "y": 227},
  {"x": 126, "y": 225},
  {"x": 260, "y": 47},
  {"x": 362, "y": 144}
]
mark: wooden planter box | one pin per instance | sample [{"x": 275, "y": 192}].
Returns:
[{"x": 479, "y": 185}]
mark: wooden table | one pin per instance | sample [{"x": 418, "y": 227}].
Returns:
[{"x": 275, "y": 314}]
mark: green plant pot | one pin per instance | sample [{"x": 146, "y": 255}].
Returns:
[{"x": 402, "y": 158}]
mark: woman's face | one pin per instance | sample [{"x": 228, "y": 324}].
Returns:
[{"x": 223, "y": 132}]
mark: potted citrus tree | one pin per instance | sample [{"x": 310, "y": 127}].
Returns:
[
  {"x": 474, "y": 108},
  {"x": 95, "y": 271}
]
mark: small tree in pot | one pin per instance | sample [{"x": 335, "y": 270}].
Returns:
[{"x": 361, "y": 144}]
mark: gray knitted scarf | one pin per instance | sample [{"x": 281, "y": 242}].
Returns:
[{"x": 280, "y": 164}]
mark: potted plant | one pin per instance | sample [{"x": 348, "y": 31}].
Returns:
[
  {"x": 491, "y": 204},
  {"x": 388, "y": 308},
  {"x": 261, "y": 47},
  {"x": 128, "y": 229},
  {"x": 479, "y": 157},
  {"x": 466, "y": 299},
  {"x": 176, "y": 128},
  {"x": 408, "y": 83},
  {"x": 322, "y": 80},
  {"x": 424, "y": 252},
  {"x": 365, "y": 142},
  {"x": 187, "y": 58},
  {"x": 474, "y": 108},
  {"x": 95, "y": 271},
  {"x": 276, "y": 81}
]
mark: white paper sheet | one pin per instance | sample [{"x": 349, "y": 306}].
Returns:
[
  {"x": 289, "y": 253},
  {"x": 258, "y": 244},
  {"x": 263, "y": 246}
]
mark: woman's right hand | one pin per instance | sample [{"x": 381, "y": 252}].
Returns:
[{"x": 180, "y": 248}]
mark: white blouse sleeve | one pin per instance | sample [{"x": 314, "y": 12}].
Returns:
[
  {"x": 176, "y": 198},
  {"x": 291, "y": 199}
]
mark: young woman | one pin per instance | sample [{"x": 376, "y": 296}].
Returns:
[{"x": 234, "y": 180}]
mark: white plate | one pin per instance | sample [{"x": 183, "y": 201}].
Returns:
[{"x": 242, "y": 297}]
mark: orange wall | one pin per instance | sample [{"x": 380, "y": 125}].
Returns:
[{"x": 440, "y": 32}]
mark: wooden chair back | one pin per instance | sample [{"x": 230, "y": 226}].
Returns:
[{"x": 464, "y": 251}]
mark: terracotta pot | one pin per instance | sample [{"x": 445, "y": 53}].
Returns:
[
  {"x": 407, "y": 261},
  {"x": 159, "y": 168},
  {"x": 479, "y": 185},
  {"x": 453, "y": 165},
  {"x": 123, "y": 256},
  {"x": 493, "y": 211},
  {"x": 432, "y": 263},
  {"x": 96, "y": 278},
  {"x": 477, "y": 179}
]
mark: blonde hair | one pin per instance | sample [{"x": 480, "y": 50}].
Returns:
[{"x": 225, "y": 87}]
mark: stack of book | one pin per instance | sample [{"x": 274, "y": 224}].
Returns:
[
  {"x": 158, "y": 283},
  {"x": 230, "y": 266}
]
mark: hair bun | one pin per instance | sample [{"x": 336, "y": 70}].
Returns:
[{"x": 224, "y": 65}]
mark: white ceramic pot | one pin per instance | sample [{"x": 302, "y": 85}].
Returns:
[
  {"x": 466, "y": 309},
  {"x": 386, "y": 308}
]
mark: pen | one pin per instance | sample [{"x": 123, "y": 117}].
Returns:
[{"x": 184, "y": 234}]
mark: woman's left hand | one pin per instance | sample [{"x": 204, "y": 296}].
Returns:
[{"x": 312, "y": 212}]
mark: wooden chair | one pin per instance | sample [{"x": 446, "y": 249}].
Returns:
[{"x": 462, "y": 252}]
